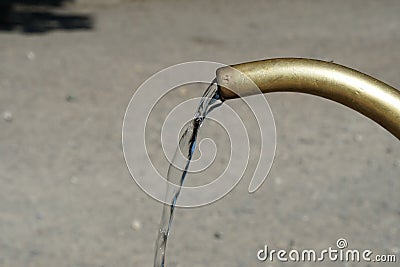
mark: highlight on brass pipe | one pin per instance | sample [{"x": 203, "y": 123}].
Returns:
[{"x": 365, "y": 94}]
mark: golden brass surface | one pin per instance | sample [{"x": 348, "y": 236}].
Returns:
[{"x": 365, "y": 94}]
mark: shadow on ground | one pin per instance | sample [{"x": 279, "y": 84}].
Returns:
[{"x": 40, "y": 16}]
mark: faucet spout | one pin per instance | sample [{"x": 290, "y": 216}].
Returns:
[{"x": 365, "y": 94}]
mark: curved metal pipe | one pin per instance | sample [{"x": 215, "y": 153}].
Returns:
[{"x": 365, "y": 94}]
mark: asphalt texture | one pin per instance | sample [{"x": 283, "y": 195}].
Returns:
[{"x": 67, "y": 73}]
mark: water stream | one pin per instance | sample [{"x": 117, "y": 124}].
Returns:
[{"x": 187, "y": 146}]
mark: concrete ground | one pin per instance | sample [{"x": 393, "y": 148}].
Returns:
[{"x": 66, "y": 196}]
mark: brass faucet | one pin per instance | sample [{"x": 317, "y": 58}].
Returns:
[{"x": 365, "y": 94}]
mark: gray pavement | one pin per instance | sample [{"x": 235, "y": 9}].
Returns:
[{"x": 66, "y": 196}]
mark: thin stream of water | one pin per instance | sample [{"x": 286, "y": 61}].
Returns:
[{"x": 187, "y": 146}]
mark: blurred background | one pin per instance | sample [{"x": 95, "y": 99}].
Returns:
[{"x": 67, "y": 71}]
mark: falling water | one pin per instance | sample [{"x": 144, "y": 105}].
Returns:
[{"x": 187, "y": 145}]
